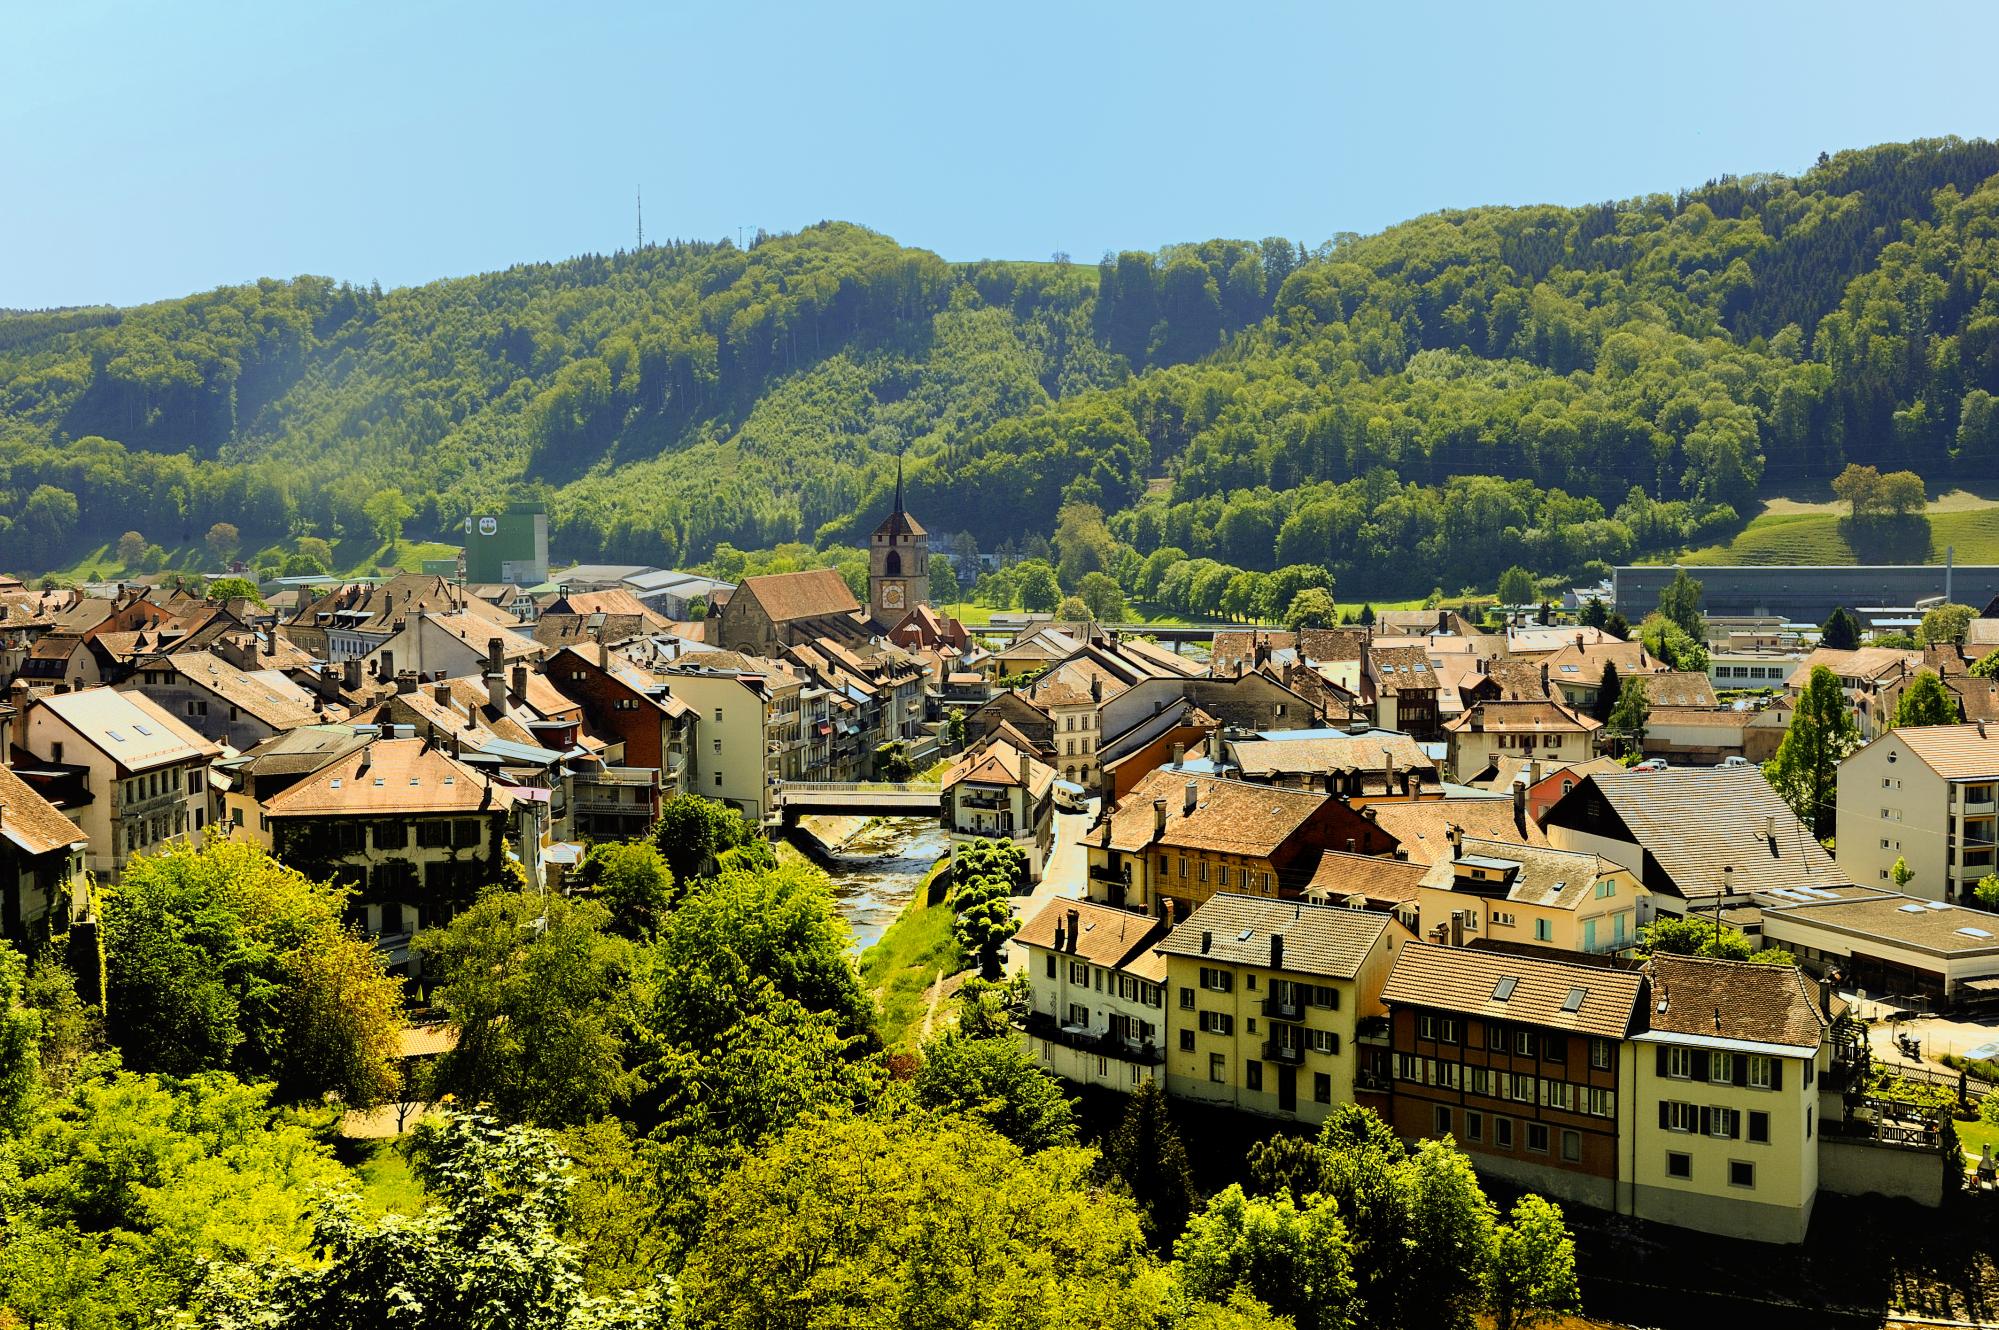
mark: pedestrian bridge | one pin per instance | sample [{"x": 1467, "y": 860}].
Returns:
[{"x": 917, "y": 798}]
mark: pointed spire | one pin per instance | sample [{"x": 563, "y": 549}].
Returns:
[{"x": 898, "y": 481}]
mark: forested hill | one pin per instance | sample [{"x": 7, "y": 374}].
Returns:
[{"x": 1466, "y": 390}]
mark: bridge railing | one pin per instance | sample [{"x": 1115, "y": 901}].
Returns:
[{"x": 917, "y": 787}]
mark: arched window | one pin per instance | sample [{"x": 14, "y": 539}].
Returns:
[{"x": 893, "y": 565}]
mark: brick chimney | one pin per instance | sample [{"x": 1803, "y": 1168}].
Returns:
[
  {"x": 1158, "y": 818},
  {"x": 440, "y": 692},
  {"x": 1075, "y": 926},
  {"x": 519, "y": 687}
]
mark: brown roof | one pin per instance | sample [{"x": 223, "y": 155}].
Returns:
[
  {"x": 405, "y": 776},
  {"x": 1955, "y": 752},
  {"x": 1423, "y": 828},
  {"x": 562, "y": 630},
  {"x": 1349, "y": 752},
  {"x": 1229, "y": 816},
  {"x": 1523, "y": 716},
  {"x": 1233, "y": 645},
  {"x": 1859, "y": 663},
  {"x": 1382, "y": 881},
  {"x": 1104, "y": 934},
  {"x": 1558, "y": 879},
  {"x": 1764, "y": 1004},
  {"x": 268, "y": 695},
  {"x": 1679, "y": 688},
  {"x": 31, "y": 822},
  {"x": 812, "y": 594},
  {"x": 1332, "y": 644},
  {"x": 1886, "y": 916},
  {"x": 1543, "y": 990},
  {"x": 1720, "y": 718},
  {"x": 996, "y": 762},
  {"x": 1401, "y": 669},
  {"x": 1582, "y": 662},
  {"x": 1324, "y": 940}
]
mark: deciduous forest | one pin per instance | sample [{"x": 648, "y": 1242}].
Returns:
[{"x": 1545, "y": 386}]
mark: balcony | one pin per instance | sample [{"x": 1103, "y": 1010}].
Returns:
[
  {"x": 1105, "y": 873},
  {"x": 1284, "y": 1009},
  {"x": 1101, "y": 1042},
  {"x": 1370, "y": 1082},
  {"x": 1288, "y": 1054}
]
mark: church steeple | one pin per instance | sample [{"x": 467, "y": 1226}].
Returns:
[
  {"x": 898, "y": 484},
  {"x": 898, "y": 562}
]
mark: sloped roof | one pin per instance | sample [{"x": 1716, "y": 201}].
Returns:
[
  {"x": 1229, "y": 816},
  {"x": 1327, "y": 940},
  {"x": 269, "y": 695},
  {"x": 1557, "y": 879},
  {"x": 1955, "y": 752},
  {"x": 1422, "y": 828},
  {"x": 1402, "y": 669},
  {"x": 294, "y": 752},
  {"x": 1718, "y": 718},
  {"x": 1276, "y": 755},
  {"x": 1858, "y": 663},
  {"x": 400, "y": 776},
  {"x": 130, "y": 728},
  {"x": 996, "y": 762},
  {"x": 1606, "y": 1002},
  {"x": 811, "y": 594},
  {"x": 1332, "y": 644},
  {"x": 1381, "y": 880},
  {"x": 1532, "y": 716},
  {"x": 1765, "y": 1004},
  {"x": 1104, "y": 935},
  {"x": 32, "y": 823}
]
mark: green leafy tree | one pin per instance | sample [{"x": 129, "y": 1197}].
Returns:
[
  {"x": 1693, "y": 936},
  {"x": 1594, "y": 613},
  {"x": 1806, "y": 768},
  {"x": 944, "y": 588},
  {"x": 1609, "y": 692},
  {"x": 1532, "y": 1275},
  {"x": 954, "y": 730},
  {"x": 1295, "y": 1258},
  {"x": 1669, "y": 642},
  {"x": 222, "y": 590},
  {"x": 1901, "y": 874},
  {"x": 1946, "y": 625},
  {"x": 1680, "y": 602},
  {"x": 386, "y": 511},
  {"x": 984, "y": 919},
  {"x": 1311, "y": 608},
  {"x": 1146, "y": 1154},
  {"x": 1925, "y": 701},
  {"x": 633, "y": 882},
  {"x": 153, "y": 559},
  {"x": 827, "y": 1213},
  {"x": 1617, "y": 626},
  {"x": 222, "y": 539},
  {"x": 1073, "y": 609},
  {"x": 487, "y": 1251},
  {"x": 1103, "y": 598},
  {"x": 319, "y": 551},
  {"x": 1841, "y": 631},
  {"x": 1986, "y": 893},
  {"x": 535, "y": 987},
  {"x": 20, "y": 1043},
  {"x": 892, "y": 761},
  {"x": 1516, "y": 587},
  {"x": 132, "y": 548},
  {"x": 997, "y": 1081},
  {"x": 223, "y": 958},
  {"x": 1986, "y": 666},
  {"x": 1628, "y": 718},
  {"x": 1037, "y": 587},
  {"x": 692, "y": 831}
]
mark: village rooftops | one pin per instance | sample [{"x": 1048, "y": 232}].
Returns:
[
  {"x": 814, "y": 593},
  {"x": 1296, "y": 752},
  {"x": 390, "y": 776},
  {"x": 1326, "y": 940},
  {"x": 1580, "y": 998},
  {"x": 1888, "y": 917},
  {"x": 32, "y": 824},
  {"x": 997, "y": 762},
  {"x": 1523, "y": 716},
  {"x": 1206, "y": 813},
  {"x": 1527, "y": 874},
  {"x": 1955, "y": 752},
  {"x": 1423, "y": 828},
  {"x": 268, "y": 695}
]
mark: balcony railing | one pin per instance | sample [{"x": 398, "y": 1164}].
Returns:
[
  {"x": 1292, "y": 1054},
  {"x": 1101, "y": 1042},
  {"x": 1372, "y": 1081},
  {"x": 1284, "y": 1009}
]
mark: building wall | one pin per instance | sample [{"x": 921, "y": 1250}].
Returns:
[
  {"x": 1473, "y": 750},
  {"x": 202, "y": 711},
  {"x": 1857, "y": 1167},
  {"x": 1777, "y": 1206},
  {"x": 401, "y": 883},
  {"x": 1806, "y": 592},
  {"x": 727, "y": 759},
  {"x": 1020, "y": 818},
  {"x": 1597, "y": 924},
  {"x": 1886, "y": 794},
  {"x": 162, "y": 805},
  {"x": 1059, "y": 984}
]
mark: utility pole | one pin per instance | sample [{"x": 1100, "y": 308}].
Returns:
[{"x": 641, "y": 196}]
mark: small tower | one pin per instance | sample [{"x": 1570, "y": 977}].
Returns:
[{"x": 898, "y": 563}]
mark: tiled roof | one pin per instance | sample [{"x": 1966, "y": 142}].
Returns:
[
  {"x": 1356, "y": 752},
  {"x": 1955, "y": 752},
  {"x": 1696, "y": 821},
  {"x": 404, "y": 776},
  {"x": 1104, "y": 935},
  {"x": 1605, "y": 1002},
  {"x": 130, "y": 728},
  {"x": 1423, "y": 828},
  {"x": 32, "y": 823},
  {"x": 1764, "y": 1004},
  {"x": 812, "y": 594},
  {"x": 294, "y": 752},
  {"x": 1718, "y": 718},
  {"x": 1523, "y": 716},
  {"x": 268, "y": 695},
  {"x": 1324, "y": 940},
  {"x": 1229, "y": 816},
  {"x": 1538, "y": 641},
  {"x": 996, "y": 762},
  {"x": 1236, "y": 644},
  {"x": 1401, "y": 669},
  {"x": 1679, "y": 688},
  {"x": 1557, "y": 879},
  {"x": 1582, "y": 662},
  {"x": 1332, "y": 644},
  {"x": 1859, "y": 663},
  {"x": 1382, "y": 881},
  {"x": 562, "y": 630}
]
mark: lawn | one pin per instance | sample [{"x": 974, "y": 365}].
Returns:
[
  {"x": 1822, "y": 535},
  {"x": 356, "y": 558},
  {"x": 900, "y": 968},
  {"x": 387, "y": 1181},
  {"x": 1975, "y": 1136}
]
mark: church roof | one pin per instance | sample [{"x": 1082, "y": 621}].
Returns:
[{"x": 899, "y": 522}]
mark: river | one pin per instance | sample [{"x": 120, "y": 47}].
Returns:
[{"x": 876, "y": 865}]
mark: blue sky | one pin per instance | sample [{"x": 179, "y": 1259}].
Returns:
[{"x": 152, "y": 149}]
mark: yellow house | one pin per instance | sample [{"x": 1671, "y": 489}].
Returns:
[
  {"x": 1264, "y": 998},
  {"x": 1720, "y": 1119},
  {"x": 1524, "y": 727},
  {"x": 1506, "y": 892}
]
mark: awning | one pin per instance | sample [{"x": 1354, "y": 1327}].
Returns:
[{"x": 1990, "y": 984}]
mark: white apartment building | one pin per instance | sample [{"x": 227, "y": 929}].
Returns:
[
  {"x": 1097, "y": 993},
  {"x": 1928, "y": 795}
]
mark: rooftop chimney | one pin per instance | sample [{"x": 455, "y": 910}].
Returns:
[
  {"x": 1544, "y": 676},
  {"x": 495, "y": 656},
  {"x": 1179, "y": 751},
  {"x": 1193, "y": 798},
  {"x": 350, "y": 672},
  {"x": 1520, "y": 808},
  {"x": 1158, "y": 818},
  {"x": 1770, "y": 826},
  {"x": 1457, "y": 834},
  {"x": 1277, "y": 951},
  {"x": 1075, "y": 920},
  {"x": 1096, "y": 688},
  {"x": 441, "y": 693},
  {"x": 1026, "y": 771},
  {"x": 520, "y": 685},
  {"x": 1534, "y": 771}
]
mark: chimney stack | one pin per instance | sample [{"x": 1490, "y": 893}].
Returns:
[
  {"x": 1544, "y": 677},
  {"x": 350, "y": 672},
  {"x": 1388, "y": 771},
  {"x": 1457, "y": 928},
  {"x": 520, "y": 685},
  {"x": 1534, "y": 771},
  {"x": 1457, "y": 834},
  {"x": 1026, "y": 772},
  {"x": 495, "y": 656},
  {"x": 1520, "y": 808},
  {"x": 1179, "y": 750},
  {"x": 405, "y": 683},
  {"x": 1158, "y": 818},
  {"x": 1075, "y": 927},
  {"x": 1097, "y": 688},
  {"x": 1207, "y": 941},
  {"x": 1277, "y": 951},
  {"x": 1193, "y": 798},
  {"x": 440, "y": 692}
]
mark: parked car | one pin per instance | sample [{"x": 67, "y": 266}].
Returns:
[
  {"x": 1651, "y": 764},
  {"x": 1735, "y": 762}
]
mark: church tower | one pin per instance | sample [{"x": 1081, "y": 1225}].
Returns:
[{"x": 898, "y": 563}]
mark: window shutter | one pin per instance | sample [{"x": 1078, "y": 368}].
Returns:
[
  {"x": 1662, "y": 1061},
  {"x": 1776, "y": 1073},
  {"x": 1707, "y": 1121},
  {"x": 1665, "y": 1118},
  {"x": 1741, "y": 1067},
  {"x": 1700, "y": 1064},
  {"x": 1735, "y": 1125}
]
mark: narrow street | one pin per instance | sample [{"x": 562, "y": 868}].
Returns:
[{"x": 1065, "y": 876}]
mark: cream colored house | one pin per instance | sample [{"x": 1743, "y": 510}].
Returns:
[
  {"x": 1524, "y": 728},
  {"x": 1096, "y": 993},
  {"x": 1928, "y": 795},
  {"x": 998, "y": 792},
  {"x": 1503, "y": 891},
  {"x": 143, "y": 773},
  {"x": 748, "y": 717},
  {"x": 1265, "y": 998},
  {"x": 1722, "y": 1115}
]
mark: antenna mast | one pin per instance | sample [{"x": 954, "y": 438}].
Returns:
[{"x": 641, "y": 196}]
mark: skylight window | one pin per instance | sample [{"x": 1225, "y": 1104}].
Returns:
[
  {"x": 335, "y": 782},
  {"x": 143, "y": 730},
  {"x": 1503, "y": 990},
  {"x": 1974, "y": 932},
  {"x": 116, "y": 736},
  {"x": 1911, "y": 908},
  {"x": 1574, "y": 1001},
  {"x": 1244, "y": 935}
]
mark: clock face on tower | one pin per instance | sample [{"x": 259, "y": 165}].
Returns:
[{"x": 892, "y": 595}]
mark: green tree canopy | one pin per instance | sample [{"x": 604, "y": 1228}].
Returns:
[
  {"x": 1516, "y": 587},
  {"x": 1841, "y": 631},
  {"x": 997, "y": 1081},
  {"x": 1925, "y": 701},
  {"x": 1806, "y": 769},
  {"x": 1293, "y": 1257},
  {"x": 1946, "y": 624}
]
